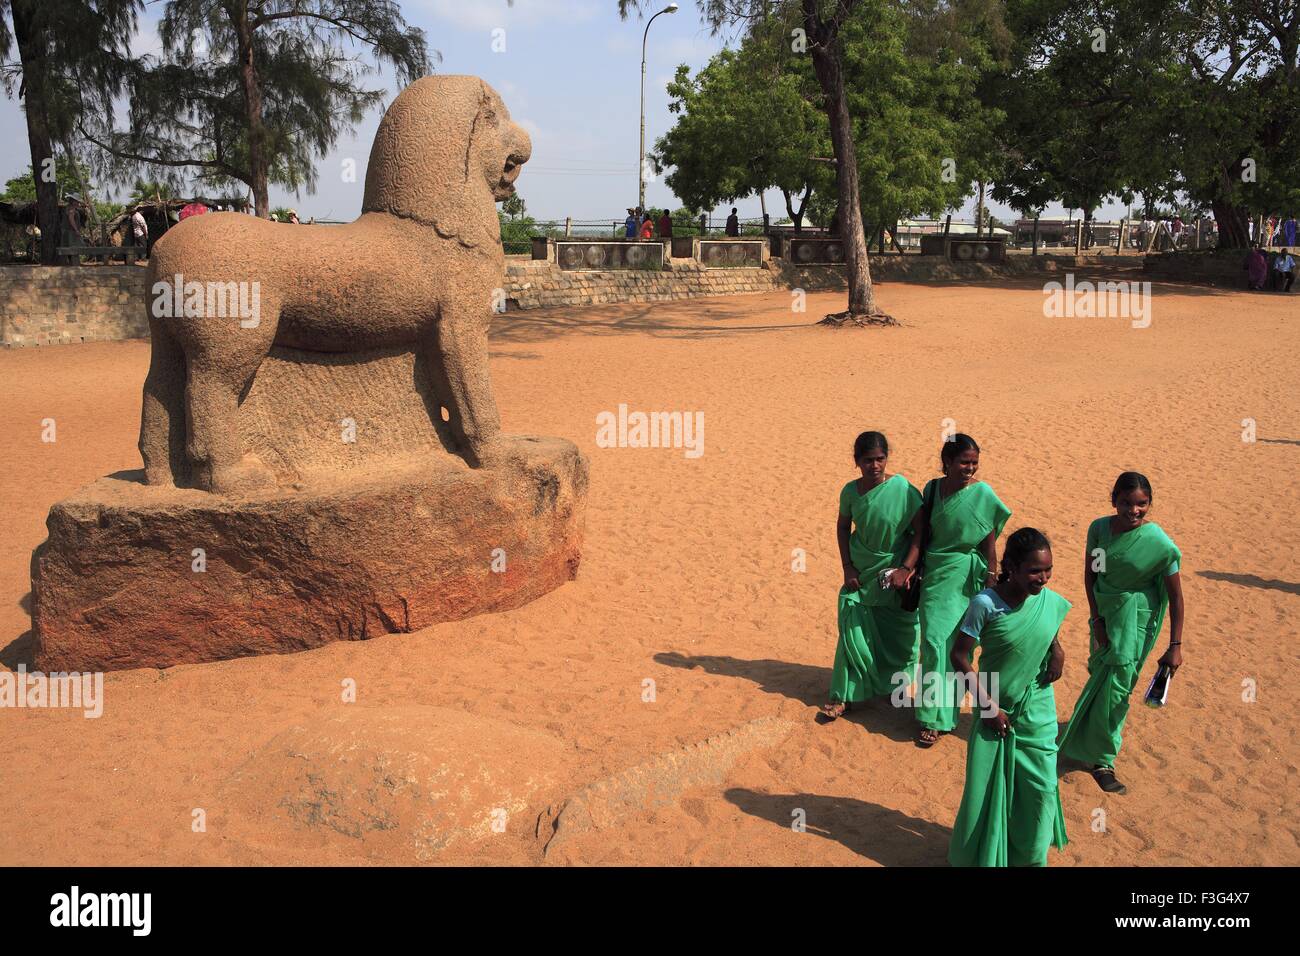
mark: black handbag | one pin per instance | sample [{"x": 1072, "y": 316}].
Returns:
[{"x": 910, "y": 599}]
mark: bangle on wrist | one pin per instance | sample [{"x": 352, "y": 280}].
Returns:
[{"x": 1175, "y": 643}]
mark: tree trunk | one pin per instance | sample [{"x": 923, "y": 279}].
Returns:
[
  {"x": 830, "y": 77},
  {"x": 979, "y": 212},
  {"x": 258, "y": 164},
  {"x": 796, "y": 215},
  {"x": 1234, "y": 233},
  {"x": 31, "y": 41}
]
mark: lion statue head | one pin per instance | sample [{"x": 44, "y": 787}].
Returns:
[{"x": 445, "y": 153}]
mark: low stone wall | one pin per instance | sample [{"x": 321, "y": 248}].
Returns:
[
  {"x": 58, "y": 305},
  {"x": 537, "y": 284},
  {"x": 540, "y": 284},
  {"x": 1225, "y": 268},
  {"x": 53, "y": 305}
]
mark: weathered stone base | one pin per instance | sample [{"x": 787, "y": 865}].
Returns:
[{"x": 115, "y": 584}]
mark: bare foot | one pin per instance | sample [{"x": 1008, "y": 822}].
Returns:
[{"x": 834, "y": 710}]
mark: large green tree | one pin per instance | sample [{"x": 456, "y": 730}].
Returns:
[
  {"x": 72, "y": 56},
  {"x": 815, "y": 28},
  {"x": 894, "y": 82},
  {"x": 1234, "y": 106},
  {"x": 253, "y": 91},
  {"x": 746, "y": 123}
]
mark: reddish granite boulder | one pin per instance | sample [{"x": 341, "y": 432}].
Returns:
[{"x": 354, "y": 556}]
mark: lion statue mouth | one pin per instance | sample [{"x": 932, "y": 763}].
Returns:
[{"x": 505, "y": 186}]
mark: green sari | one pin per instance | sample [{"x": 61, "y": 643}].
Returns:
[
  {"x": 1132, "y": 599},
  {"x": 1011, "y": 805},
  {"x": 954, "y": 573},
  {"x": 877, "y": 638}
]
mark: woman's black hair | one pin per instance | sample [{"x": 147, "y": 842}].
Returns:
[
  {"x": 1020, "y": 545},
  {"x": 955, "y": 445},
  {"x": 870, "y": 441},
  {"x": 1130, "y": 481}
]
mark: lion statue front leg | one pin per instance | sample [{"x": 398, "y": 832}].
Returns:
[
  {"x": 460, "y": 352},
  {"x": 217, "y": 377}
]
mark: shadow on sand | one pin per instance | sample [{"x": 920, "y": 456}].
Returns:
[
  {"x": 807, "y": 684},
  {"x": 1251, "y": 581},
  {"x": 888, "y": 837}
]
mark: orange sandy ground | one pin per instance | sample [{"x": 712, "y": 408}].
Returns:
[{"x": 686, "y": 579}]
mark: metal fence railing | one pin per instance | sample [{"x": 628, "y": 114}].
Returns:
[{"x": 1058, "y": 235}]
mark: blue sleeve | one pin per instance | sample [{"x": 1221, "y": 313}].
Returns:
[{"x": 977, "y": 612}]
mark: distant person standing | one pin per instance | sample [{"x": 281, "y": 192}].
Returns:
[
  {"x": 140, "y": 230},
  {"x": 73, "y": 220},
  {"x": 1283, "y": 271},
  {"x": 665, "y": 225},
  {"x": 1256, "y": 267},
  {"x": 647, "y": 227},
  {"x": 630, "y": 224},
  {"x": 1289, "y": 232},
  {"x": 733, "y": 223}
]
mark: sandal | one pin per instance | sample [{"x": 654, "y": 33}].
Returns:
[
  {"x": 1105, "y": 777},
  {"x": 834, "y": 710},
  {"x": 927, "y": 737}
]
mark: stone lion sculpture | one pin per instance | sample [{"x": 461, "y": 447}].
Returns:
[{"x": 418, "y": 268}]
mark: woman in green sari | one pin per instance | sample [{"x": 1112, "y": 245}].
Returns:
[
  {"x": 964, "y": 518},
  {"x": 1131, "y": 577},
  {"x": 877, "y": 638},
  {"x": 1011, "y": 805}
]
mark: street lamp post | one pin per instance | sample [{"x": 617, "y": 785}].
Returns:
[{"x": 671, "y": 8}]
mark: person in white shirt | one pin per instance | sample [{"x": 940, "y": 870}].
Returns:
[
  {"x": 140, "y": 230},
  {"x": 1283, "y": 271}
]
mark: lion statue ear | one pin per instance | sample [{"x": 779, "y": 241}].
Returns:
[{"x": 423, "y": 164}]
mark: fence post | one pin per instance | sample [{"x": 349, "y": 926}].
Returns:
[
  {"x": 1078, "y": 238},
  {"x": 615, "y": 232},
  {"x": 766, "y": 223},
  {"x": 1196, "y": 242},
  {"x": 1035, "y": 246},
  {"x": 704, "y": 227},
  {"x": 568, "y": 226}
]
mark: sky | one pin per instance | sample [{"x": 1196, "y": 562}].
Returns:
[{"x": 569, "y": 74}]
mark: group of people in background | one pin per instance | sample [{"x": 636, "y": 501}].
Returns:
[
  {"x": 1277, "y": 232},
  {"x": 924, "y": 586},
  {"x": 1270, "y": 269},
  {"x": 642, "y": 224}
]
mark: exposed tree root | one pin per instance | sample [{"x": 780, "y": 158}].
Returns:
[{"x": 838, "y": 320}]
